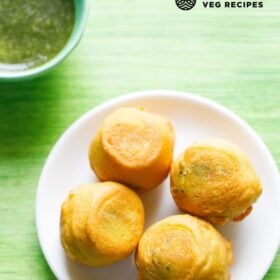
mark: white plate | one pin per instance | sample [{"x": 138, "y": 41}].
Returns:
[{"x": 255, "y": 240}]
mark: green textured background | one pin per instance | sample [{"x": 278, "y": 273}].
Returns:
[{"x": 231, "y": 56}]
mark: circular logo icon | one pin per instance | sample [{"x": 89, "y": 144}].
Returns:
[{"x": 185, "y": 4}]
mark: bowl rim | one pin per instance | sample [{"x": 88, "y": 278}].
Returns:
[{"x": 74, "y": 39}]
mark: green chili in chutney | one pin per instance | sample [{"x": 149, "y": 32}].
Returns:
[{"x": 33, "y": 31}]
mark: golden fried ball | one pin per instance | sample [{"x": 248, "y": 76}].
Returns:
[
  {"x": 183, "y": 247},
  {"x": 101, "y": 223},
  {"x": 133, "y": 147},
  {"x": 214, "y": 179}
]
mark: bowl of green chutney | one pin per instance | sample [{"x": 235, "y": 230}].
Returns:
[{"x": 37, "y": 35}]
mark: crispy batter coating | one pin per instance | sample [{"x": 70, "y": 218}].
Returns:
[
  {"x": 133, "y": 147},
  {"x": 183, "y": 247},
  {"x": 213, "y": 179},
  {"x": 101, "y": 223}
]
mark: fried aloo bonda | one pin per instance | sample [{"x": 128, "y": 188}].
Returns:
[
  {"x": 101, "y": 223},
  {"x": 215, "y": 180},
  {"x": 183, "y": 247},
  {"x": 133, "y": 147}
]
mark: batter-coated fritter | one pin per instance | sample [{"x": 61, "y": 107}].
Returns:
[
  {"x": 133, "y": 147},
  {"x": 183, "y": 247},
  {"x": 101, "y": 223},
  {"x": 214, "y": 179}
]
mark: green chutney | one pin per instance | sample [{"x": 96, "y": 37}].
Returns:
[{"x": 33, "y": 31}]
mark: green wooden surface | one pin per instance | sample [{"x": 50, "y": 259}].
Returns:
[{"x": 231, "y": 56}]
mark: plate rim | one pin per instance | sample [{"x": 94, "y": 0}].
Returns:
[{"x": 157, "y": 93}]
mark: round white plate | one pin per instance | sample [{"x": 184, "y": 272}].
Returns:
[{"x": 255, "y": 240}]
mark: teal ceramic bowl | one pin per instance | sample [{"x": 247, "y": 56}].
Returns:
[{"x": 81, "y": 11}]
